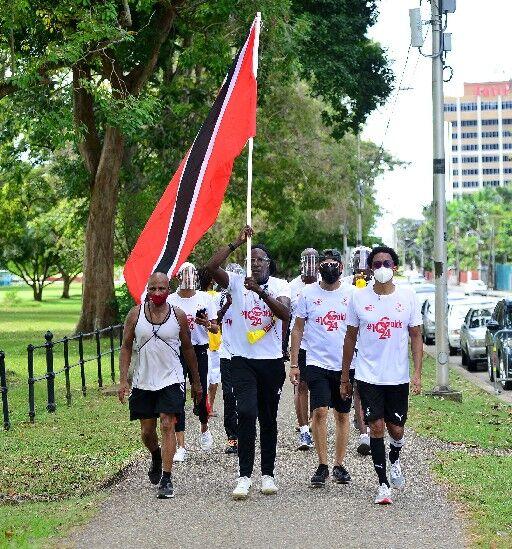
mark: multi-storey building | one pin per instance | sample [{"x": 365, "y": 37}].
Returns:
[{"x": 480, "y": 137}]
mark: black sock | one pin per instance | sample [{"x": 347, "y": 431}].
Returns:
[
  {"x": 156, "y": 455},
  {"x": 394, "y": 452},
  {"x": 166, "y": 475},
  {"x": 379, "y": 459}
]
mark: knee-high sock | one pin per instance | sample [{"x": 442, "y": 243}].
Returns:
[{"x": 379, "y": 459}]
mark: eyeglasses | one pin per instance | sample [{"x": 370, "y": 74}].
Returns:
[
  {"x": 386, "y": 263},
  {"x": 259, "y": 260}
]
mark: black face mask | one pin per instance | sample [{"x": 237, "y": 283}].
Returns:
[{"x": 330, "y": 272}]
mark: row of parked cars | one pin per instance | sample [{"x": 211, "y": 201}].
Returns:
[{"x": 479, "y": 328}]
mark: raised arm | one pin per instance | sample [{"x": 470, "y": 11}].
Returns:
[{"x": 214, "y": 265}]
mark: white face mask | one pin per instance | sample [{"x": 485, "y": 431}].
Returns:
[
  {"x": 188, "y": 277},
  {"x": 383, "y": 274}
]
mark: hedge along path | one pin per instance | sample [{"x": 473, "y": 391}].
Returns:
[{"x": 203, "y": 513}]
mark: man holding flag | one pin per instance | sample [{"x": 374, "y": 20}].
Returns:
[{"x": 260, "y": 304}]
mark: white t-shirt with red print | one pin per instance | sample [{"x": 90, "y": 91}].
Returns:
[
  {"x": 250, "y": 313},
  {"x": 325, "y": 315},
  {"x": 190, "y": 306},
  {"x": 383, "y": 342}
]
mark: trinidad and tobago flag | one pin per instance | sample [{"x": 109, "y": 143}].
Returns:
[{"x": 192, "y": 200}]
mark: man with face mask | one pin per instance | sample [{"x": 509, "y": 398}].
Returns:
[
  {"x": 202, "y": 318},
  {"x": 158, "y": 387},
  {"x": 385, "y": 316},
  {"x": 260, "y": 304},
  {"x": 321, "y": 319},
  {"x": 309, "y": 275}
]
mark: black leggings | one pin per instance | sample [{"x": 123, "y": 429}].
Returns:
[
  {"x": 257, "y": 384},
  {"x": 228, "y": 395},
  {"x": 202, "y": 364}
]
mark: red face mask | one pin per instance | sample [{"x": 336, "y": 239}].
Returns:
[{"x": 159, "y": 299}]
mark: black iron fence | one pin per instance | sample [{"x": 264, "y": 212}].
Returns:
[{"x": 107, "y": 343}]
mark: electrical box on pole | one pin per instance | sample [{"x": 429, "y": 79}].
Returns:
[
  {"x": 449, "y": 6},
  {"x": 447, "y": 41},
  {"x": 416, "y": 28}
]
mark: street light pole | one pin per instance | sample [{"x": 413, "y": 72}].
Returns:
[{"x": 359, "y": 236}]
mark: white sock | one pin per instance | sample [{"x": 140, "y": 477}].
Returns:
[{"x": 304, "y": 429}]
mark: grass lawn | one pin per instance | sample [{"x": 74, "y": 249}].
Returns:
[
  {"x": 51, "y": 469},
  {"x": 482, "y": 482}
]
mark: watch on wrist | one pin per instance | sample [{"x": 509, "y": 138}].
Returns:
[
  {"x": 293, "y": 366},
  {"x": 263, "y": 294},
  {"x": 231, "y": 246}
]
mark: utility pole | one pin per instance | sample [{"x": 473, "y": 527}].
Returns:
[{"x": 441, "y": 42}]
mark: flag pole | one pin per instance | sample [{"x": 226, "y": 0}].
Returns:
[{"x": 251, "y": 145}]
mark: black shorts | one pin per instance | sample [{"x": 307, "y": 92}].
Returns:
[
  {"x": 150, "y": 404},
  {"x": 302, "y": 364},
  {"x": 388, "y": 402},
  {"x": 324, "y": 389}
]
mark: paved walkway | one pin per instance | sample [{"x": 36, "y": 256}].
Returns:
[{"x": 203, "y": 515}]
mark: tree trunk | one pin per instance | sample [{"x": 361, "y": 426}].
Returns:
[
  {"x": 66, "y": 278},
  {"x": 38, "y": 291},
  {"x": 98, "y": 301}
]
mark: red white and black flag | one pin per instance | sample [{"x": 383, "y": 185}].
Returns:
[{"x": 191, "y": 203}]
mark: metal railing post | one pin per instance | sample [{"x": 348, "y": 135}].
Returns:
[
  {"x": 31, "y": 400},
  {"x": 81, "y": 361},
  {"x": 50, "y": 375},
  {"x": 98, "y": 357},
  {"x": 3, "y": 390},
  {"x": 112, "y": 357},
  {"x": 66, "y": 370}
]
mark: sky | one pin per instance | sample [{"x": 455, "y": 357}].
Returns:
[{"x": 480, "y": 52}]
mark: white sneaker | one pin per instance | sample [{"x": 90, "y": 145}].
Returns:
[
  {"x": 243, "y": 485},
  {"x": 268, "y": 485},
  {"x": 383, "y": 496},
  {"x": 180, "y": 454},
  {"x": 396, "y": 476},
  {"x": 206, "y": 441}
]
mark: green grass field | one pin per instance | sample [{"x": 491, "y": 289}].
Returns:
[{"x": 479, "y": 479}]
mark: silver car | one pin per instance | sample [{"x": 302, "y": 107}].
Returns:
[{"x": 472, "y": 336}]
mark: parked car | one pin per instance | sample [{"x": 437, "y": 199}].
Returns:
[
  {"x": 457, "y": 311},
  {"x": 474, "y": 287},
  {"x": 428, "y": 313},
  {"x": 472, "y": 336},
  {"x": 498, "y": 341}
]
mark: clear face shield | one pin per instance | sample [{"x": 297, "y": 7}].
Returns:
[
  {"x": 362, "y": 264},
  {"x": 309, "y": 265},
  {"x": 188, "y": 277}
]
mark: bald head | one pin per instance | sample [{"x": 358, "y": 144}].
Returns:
[{"x": 158, "y": 279}]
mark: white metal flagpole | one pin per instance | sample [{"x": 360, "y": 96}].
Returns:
[{"x": 251, "y": 145}]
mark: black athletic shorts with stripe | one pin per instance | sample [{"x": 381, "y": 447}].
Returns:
[{"x": 388, "y": 402}]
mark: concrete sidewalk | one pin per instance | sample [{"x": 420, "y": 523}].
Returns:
[{"x": 203, "y": 514}]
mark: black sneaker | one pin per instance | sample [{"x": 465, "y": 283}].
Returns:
[
  {"x": 232, "y": 447},
  {"x": 318, "y": 479},
  {"x": 165, "y": 489},
  {"x": 340, "y": 475},
  {"x": 155, "y": 472}
]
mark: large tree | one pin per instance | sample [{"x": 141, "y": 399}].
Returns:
[{"x": 99, "y": 73}]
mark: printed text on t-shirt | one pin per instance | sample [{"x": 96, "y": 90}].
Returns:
[
  {"x": 383, "y": 327},
  {"x": 256, "y": 315},
  {"x": 330, "y": 320}
]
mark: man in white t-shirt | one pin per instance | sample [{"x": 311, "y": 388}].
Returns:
[
  {"x": 321, "y": 320},
  {"x": 260, "y": 304},
  {"x": 202, "y": 319},
  {"x": 308, "y": 275},
  {"x": 385, "y": 316}
]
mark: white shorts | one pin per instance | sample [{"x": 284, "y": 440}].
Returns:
[{"x": 213, "y": 367}]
